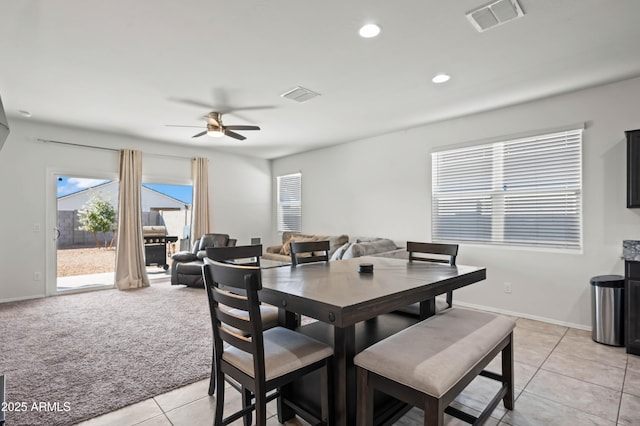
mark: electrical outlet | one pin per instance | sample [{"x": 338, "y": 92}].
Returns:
[
  {"x": 36, "y": 276},
  {"x": 507, "y": 287},
  {"x": 36, "y": 227}
]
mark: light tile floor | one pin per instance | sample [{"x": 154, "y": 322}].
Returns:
[{"x": 562, "y": 378}]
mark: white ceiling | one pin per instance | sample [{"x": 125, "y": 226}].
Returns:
[{"x": 133, "y": 66}]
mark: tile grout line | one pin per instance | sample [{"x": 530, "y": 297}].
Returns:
[
  {"x": 163, "y": 413},
  {"x": 538, "y": 368},
  {"x": 584, "y": 359},
  {"x": 624, "y": 379},
  {"x": 557, "y": 402},
  {"x": 502, "y": 418}
]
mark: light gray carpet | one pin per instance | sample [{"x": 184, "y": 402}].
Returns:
[{"x": 99, "y": 351}]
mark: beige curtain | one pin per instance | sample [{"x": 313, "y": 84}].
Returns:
[
  {"x": 201, "y": 220},
  {"x": 131, "y": 271}
]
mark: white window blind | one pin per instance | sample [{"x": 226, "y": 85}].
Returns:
[
  {"x": 519, "y": 192},
  {"x": 289, "y": 202}
]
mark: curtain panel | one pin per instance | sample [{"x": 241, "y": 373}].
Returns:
[
  {"x": 201, "y": 220},
  {"x": 131, "y": 271}
]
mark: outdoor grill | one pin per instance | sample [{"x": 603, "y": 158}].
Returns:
[{"x": 155, "y": 245}]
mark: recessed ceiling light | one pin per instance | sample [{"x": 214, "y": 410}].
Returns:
[
  {"x": 369, "y": 30},
  {"x": 25, "y": 113},
  {"x": 441, "y": 78}
]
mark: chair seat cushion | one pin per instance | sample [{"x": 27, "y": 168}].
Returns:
[
  {"x": 284, "y": 351},
  {"x": 269, "y": 314},
  {"x": 433, "y": 355},
  {"x": 414, "y": 309}
]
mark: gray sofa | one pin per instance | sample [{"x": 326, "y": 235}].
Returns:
[
  {"x": 282, "y": 252},
  {"x": 186, "y": 266},
  {"x": 340, "y": 246}
]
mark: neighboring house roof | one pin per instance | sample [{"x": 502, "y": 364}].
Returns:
[{"x": 150, "y": 198}]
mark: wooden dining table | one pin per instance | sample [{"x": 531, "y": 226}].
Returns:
[{"x": 342, "y": 299}]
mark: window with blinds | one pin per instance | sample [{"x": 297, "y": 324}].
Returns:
[
  {"x": 289, "y": 202},
  {"x": 519, "y": 192}
]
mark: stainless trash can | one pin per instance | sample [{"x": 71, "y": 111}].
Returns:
[{"x": 607, "y": 309}]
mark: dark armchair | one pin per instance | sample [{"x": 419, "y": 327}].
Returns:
[{"x": 186, "y": 266}]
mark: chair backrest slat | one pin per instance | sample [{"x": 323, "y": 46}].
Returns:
[
  {"x": 232, "y": 300},
  {"x": 450, "y": 250},
  {"x": 240, "y": 323},
  {"x": 307, "y": 251},
  {"x": 231, "y": 254},
  {"x": 235, "y": 286},
  {"x": 236, "y": 340}
]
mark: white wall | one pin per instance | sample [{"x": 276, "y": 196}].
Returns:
[
  {"x": 381, "y": 186},
  {"x": 240, "y": 192}
]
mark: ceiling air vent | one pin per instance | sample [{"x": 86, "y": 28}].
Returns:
[
  {"x": 494, "y": 14},
  {"x": 300, "y": 94}
]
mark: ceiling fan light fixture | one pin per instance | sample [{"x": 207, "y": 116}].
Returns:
[
  {"x": 214, "y": 131},
  {"x": 369, "y": 31}
]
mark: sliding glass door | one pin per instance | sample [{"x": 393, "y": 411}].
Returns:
[
  {"x": 82, "y": 221},
  {"x": 166, "y": 208},
  {"x": 85, "y": 231}
]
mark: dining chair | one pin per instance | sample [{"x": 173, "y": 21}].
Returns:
[
  {"x": 247, "y": 256},
  {"x": 258, "y": 360},
  {"x": 309, "y": 251},
  {"x": 432, "y": 252},
  {"x": 241, "y": 255}
]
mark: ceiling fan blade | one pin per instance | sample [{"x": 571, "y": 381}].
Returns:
[
  {"x": 241, "y": 127},
  {"x": 180, "y": 125},
  {"x": 249, "y": 108},
  {"x": 234, "y": 134},
  {"x": 192, "y": 102},
  {"x": 197, "y": 135}
]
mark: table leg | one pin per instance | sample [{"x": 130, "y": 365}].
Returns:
[
  {"x": 344, "y": 375},
  {"x": 286, "y": 319},
  {"x": 427, "y": 308}
]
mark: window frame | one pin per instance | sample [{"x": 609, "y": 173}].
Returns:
[
  {"x": 295, "y": 205},
  {"x": 508, "y": 202}
]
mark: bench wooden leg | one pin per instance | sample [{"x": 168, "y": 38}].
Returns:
[
  {"x": 364, "y": 410},
  {"x": 433, "y": 411},
  {"x": 507, "y": 373}
]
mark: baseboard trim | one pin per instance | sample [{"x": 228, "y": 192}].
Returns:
[
  {"x": 521, "y": 315},
  {"x": 18, "y": 299}
]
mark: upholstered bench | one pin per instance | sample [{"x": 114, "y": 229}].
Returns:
[{"x": 428, "y": 364}]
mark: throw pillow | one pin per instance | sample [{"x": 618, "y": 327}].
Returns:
[
  {"x": 337, "y": 255},
  {"x": 286, "y": 248},
  {"x": 367, "y": 239},
  {"x": 297, "y": 238},
  {"x": 335, "y": 242},
  {"x": 368, "y": 248}
]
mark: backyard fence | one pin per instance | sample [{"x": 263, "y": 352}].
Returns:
[{"x": 72, "y": 237}]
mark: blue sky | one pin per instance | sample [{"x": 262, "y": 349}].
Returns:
[
  {"x": 181, "y": 192},
  {"x": 69, "y": 185}
]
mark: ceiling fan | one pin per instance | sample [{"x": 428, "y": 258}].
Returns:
[{"x": 216, "y": 128}]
